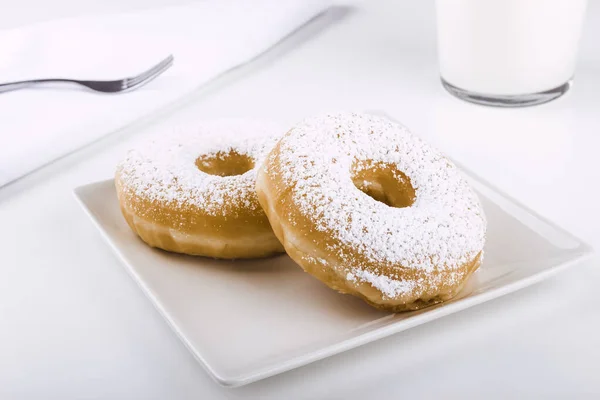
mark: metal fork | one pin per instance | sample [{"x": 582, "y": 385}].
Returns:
[{"x": 116, "y": 86}]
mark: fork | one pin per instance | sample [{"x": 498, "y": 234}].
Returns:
[{"x": 116, "y": 86}]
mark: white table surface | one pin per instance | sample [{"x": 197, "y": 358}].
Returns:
[{"x": 73, "y": 324}]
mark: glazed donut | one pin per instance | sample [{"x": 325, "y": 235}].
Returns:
[
  {"x": 192, "y": 191},
  {"x": 373, "y": 211}
]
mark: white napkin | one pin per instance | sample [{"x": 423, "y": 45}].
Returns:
[{"x": 206, "y": 39}]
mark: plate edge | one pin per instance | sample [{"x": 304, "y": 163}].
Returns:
[{"x": 225, "y": 382}]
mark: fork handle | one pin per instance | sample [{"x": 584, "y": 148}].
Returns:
[{"x": 7, "y": 87}]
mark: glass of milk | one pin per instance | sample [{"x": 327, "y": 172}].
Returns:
[{"x": 508, "y": 53}]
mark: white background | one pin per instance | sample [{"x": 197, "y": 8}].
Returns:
[{"x": 74, "y": 325}]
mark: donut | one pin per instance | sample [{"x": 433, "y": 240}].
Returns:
[
  {"x": 373, "y": 211},
  {"x": 192, "y": 191}
]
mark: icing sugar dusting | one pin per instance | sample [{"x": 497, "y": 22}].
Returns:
[
  {"x": 391, "y": 288},
  {"x": 442, "y": 230},
  {"x": 164, "y": 169}
]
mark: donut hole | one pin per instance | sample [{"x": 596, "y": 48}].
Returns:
[
  {"x": 222, "y": 163},
  {"x": 384, "y": 183}
]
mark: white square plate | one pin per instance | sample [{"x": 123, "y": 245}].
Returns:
[{"x": 248, "y": 320}]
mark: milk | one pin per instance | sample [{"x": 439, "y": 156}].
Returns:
[{"x": 508, "y": 47}]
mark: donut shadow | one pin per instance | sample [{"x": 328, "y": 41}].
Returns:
[
  {"x": 268, "y": 264},
  {"x": 279, "y": 270},
  {"x": 276, "y": 276}
]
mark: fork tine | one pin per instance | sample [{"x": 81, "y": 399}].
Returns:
[
  {"x": 157, "y": 68},
  {"x": 150, "y": 74},
  {"x": 167, "y": 62}
]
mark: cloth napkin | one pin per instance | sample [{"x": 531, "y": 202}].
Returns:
[{"x": 206, "y": 38}]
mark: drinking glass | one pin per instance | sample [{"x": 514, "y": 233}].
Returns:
[{"x": 508, "y": 53}]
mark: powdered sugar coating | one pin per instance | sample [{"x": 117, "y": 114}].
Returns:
[
  {"x": 442, "y": 230},
  {"x": 164, "y": 168},
  {"x": 388, "y": 286}
]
